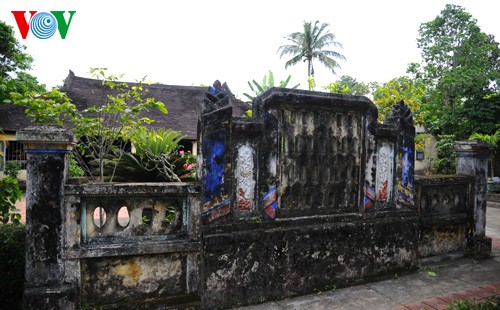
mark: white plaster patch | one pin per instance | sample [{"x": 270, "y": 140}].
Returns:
[
  {"x": 384, "y": 181},
  {"x": 245, "y": 177}
]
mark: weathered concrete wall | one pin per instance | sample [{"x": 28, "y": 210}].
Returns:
[
  {"x": 445, "y": 208},
  {"x": 322, "y": 198},
  {"x": 310, "y": 193},
  {"x": 295, "y": 256},
  {"x": 472, "y": 160},
  {"x": 140, "y": 250}
]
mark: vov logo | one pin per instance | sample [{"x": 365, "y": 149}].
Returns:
[{"x": 43, "y": 25}]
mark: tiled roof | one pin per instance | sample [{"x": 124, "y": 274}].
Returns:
[{"x": 182, "y": 102}]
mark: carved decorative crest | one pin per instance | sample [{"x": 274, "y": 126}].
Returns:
[
  {"x": 216, "y": 98},
  {"x": 400, "y": 111}
]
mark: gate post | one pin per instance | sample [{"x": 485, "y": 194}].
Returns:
[
  {"x": 472, "y": 159},
  {"x": 47, "y": 149}
]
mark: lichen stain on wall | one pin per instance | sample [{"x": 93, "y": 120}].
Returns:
[{"x": 130, "y": 271}]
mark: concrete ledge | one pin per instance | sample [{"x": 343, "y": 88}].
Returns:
[
  {"x": 133, "y": 189},
  {"x": 142, "y": 248}
]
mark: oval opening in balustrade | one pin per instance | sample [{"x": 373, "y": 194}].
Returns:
[
  {"x": 123, "y": 217},
  {"x": 99, "y": 217}
]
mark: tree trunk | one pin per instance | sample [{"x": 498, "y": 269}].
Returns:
[{"x": 310, "y": 71}]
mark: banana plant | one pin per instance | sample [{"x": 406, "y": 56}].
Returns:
[{"x": 267, "y": 82}]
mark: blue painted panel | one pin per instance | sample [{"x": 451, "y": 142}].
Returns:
[
  {"x": 405, "y": 196},
  {"x": 213, "y": 153}
]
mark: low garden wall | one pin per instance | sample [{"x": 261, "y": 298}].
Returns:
[
  {"x": 311, "y": 193},
  {"x": 445, "y": 205},
  {"x": 131, "y": 244}
]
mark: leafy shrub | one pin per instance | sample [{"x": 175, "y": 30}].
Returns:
[
  {"x": 9, "y": 194},
  {"x": 446, "y": 162},
  {"x": 12, "y": 239},
  {"x": 75, "y": 170},
  {"x": 492, "y": 303},
  {"x": 12, "y": 168}
]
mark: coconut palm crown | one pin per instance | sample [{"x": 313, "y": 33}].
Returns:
[{"x": 310, "y": 44}]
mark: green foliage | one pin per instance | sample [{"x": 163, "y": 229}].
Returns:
[
  {"x": 461, "y": 71},
  {"x": 106, "y": 125},
  {"x": 311, "y": 44},
  {"x": 446, "y": 162},
  {"x": 12, "y": 168},
  {"x": 74, "y": 168},
  {"x": 53, "y": 107},
  {"x": 155, "y": 159},
  {"x": 420, "y": 141},
  {"x": 491, "y": 303},
  {"x": 13, "y": 64},
  {"x": 102, "y": 128},
  {"x": 349, "y": 86},
  {"x": 267, "y": 82},
  {"x": 170, "y": 214},
  {"x": 411, "y": 91},
  {"x": 311, "y": 82},
  {"x": 149, "y": 142},
  {"x": 12, "y": 256},
  {"x": 493, "y": 140},
  {"x": 248, "y": 113},
  {"x": 12, "y": 56},
  {"x": 9, "y": 194},
  {"x": 22, "y": 83}
]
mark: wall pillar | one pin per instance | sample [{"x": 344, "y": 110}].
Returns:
[
  {"x": 47, "y": 149},
  {"x": 472, "y": 159}
]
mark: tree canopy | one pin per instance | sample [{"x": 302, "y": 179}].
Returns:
[
  {"x": 12, "y": 56},
  {"x": 461, "y": 71},
  {"x": 311, "y": 44},
  {"x": 348, "y": 85},
  {"x": 14, "y": 62},
  {"x": 411, "y": 91}
]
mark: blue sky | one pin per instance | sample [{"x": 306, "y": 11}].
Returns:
[{"x": 196, "y": 42}]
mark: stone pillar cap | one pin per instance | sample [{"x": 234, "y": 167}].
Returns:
[
  {"x": 472, "y": 147},
  {"x": 46, "y": 134}
]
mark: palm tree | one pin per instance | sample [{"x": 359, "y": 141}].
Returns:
[{"x": 309, "y": 45}]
